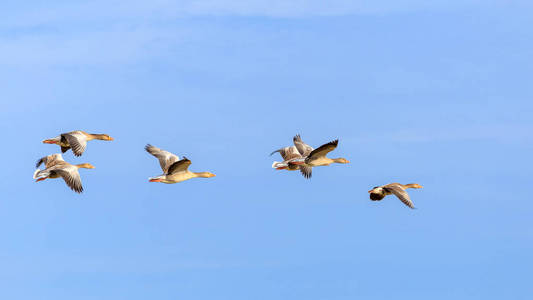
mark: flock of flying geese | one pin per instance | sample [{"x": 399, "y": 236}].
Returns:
[{"x": 299, "y": 156}]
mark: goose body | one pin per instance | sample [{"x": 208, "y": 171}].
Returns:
[
  {"x": 293, "y": 157},
  {"x": 397, "y": 189},
  {"x": 76, "y": 140},
  {"x": 175, "y": 170},
  {"x": 317, "y": 157},
  {"x": 56, "y": 167},
  {"x": 288, "y": 154}
]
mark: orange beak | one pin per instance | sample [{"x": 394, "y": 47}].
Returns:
[
  {"x": 40, "y": 179},
  {"x": 281, "y": 168},
  {"x": 155, "y": 180},
  {"x": 49, "y": 142}
]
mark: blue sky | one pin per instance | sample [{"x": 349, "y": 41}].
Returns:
[{"x": 436, "y": 93}]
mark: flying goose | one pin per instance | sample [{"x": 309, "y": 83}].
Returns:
[
  {"x": 56, "y": 167},
  {"x": 174, "y": 169},
  {"x": 77, "y": 140},
  {"x": 379, "y": 192},
  {"x": 296, "y": 154},
  {"x": 317, "y": 157}
]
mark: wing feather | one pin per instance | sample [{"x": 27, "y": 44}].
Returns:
[
  {"x": 77, "y": 141},
  {"x": 179, "y": 166},
  {"x": 306, "y": 171},
  {"x": 302, "y": 147},
  {"x": 288, "y": 153},
  {"x": 71, "y": 176},
  {"x": 323, "y": 150},
  {"x": 49, "y": 161},
  {"x": 400, "y": 193},
  {"x": 166, "y": 159}
]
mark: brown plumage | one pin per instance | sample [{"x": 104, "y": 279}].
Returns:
[
  {"x": 379, "y": 192},
  {"x": 293, "y": 157},
  {"x": 56, "y": 167},
  {"x": 76, "y": 140},
  {"x": 175, "y": 170}
]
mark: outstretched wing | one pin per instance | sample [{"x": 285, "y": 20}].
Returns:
[
  {"x": 49, "y": 160},
  {"x": 288, "y": 153},
  {"x": 71, "y": 176},
  {"x": 179, "y": 166},
  {"x": 76, "y": 140},
  {"x": 302, "y": 147},
  {"x": 165, "y": 158},
  {"x": 323, "y": 150},
  {"x": 400, "y": 193}
]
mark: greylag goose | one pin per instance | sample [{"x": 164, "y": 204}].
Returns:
[
  {"x": 77, "y": 140},
  {"x": 317, "y": 157},
  {"x": 294, "y": 154},
  {"x": 379, "y": 192},
  {"x": 56, "y": 167},
  {"x": 174, "y": 169}
]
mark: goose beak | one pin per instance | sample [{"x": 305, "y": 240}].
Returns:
[
  {"x": 48, "y": 142},
  {"x": 40, "y": 179},
  {"x": 155, "y": 180}
]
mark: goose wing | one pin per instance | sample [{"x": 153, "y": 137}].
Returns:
[
  {"x": 399, "y": 192},
  {"x": 166, "y": 159},
  {"x": 288, "y": 153},
  {"x": 71, "y": 176},
  {"x": 49, "y": 160},
  {"x": 179, "y": 166},
  {"x": 323, "y": 150},
  {"x": 306, "y": 171},
  {"x": 76, "y": 140},
  {"x": 302, "y": 147}
]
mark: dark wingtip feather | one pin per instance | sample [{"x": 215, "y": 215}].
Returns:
[
  {"x": 275, "y": 152},
  {"x": 39, "y": 162},
  {"x": 297, "y": 138},
  {"x": 147, "y": 147},
  {"x": 306, "y": 172},
  {"x": 333, "y": 143}
]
